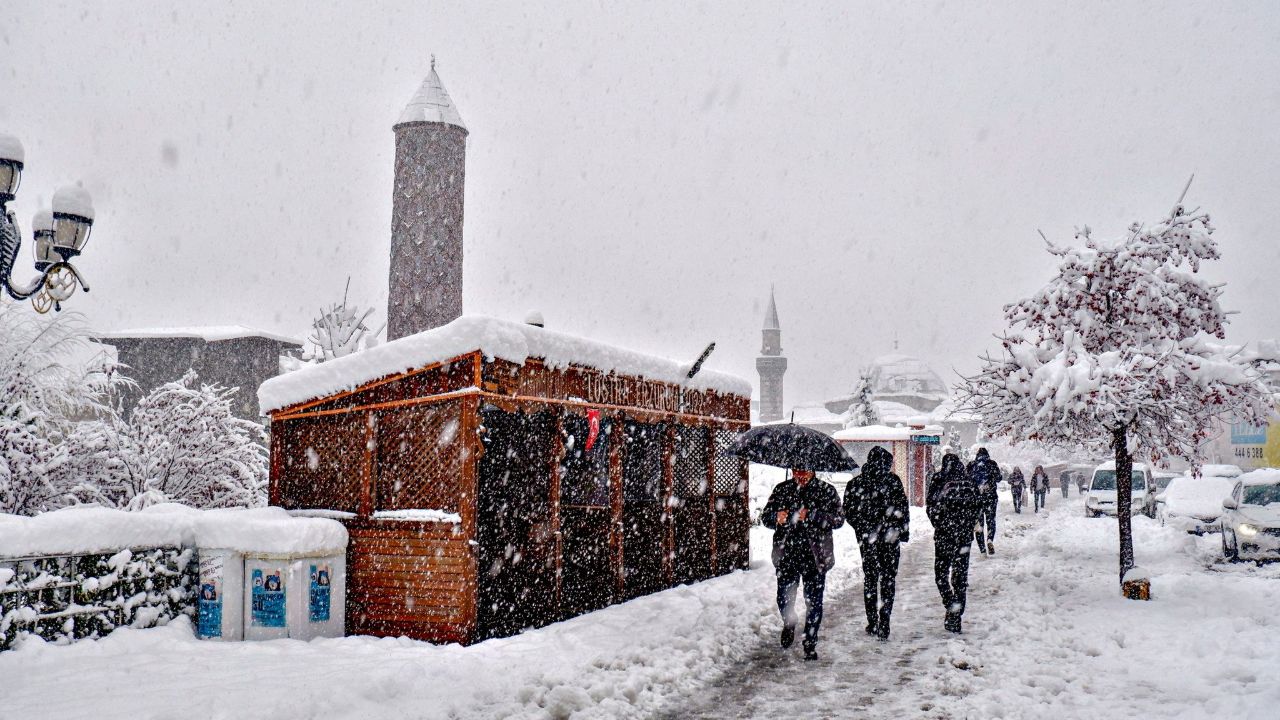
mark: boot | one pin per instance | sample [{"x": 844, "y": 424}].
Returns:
[
  {"x": 810, "y": 651},
  {"x": 882, "y": 631},
  {"x": 788, "y": 635},
  {"x": 952, "y": 622}
]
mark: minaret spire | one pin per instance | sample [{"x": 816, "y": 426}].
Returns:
[{"x": 771, "y": 364}]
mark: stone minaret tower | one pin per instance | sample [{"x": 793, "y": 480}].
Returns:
[
  {"x": 426, "y": 213},
  {"x": 771, "y": 365}
]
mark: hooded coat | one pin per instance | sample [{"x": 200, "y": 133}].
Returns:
[
  {"x": 986, "y": 475},
  {"x": 952, "y": 500},
  {"x": 875, "y": 503},
  {"x": 814, "y": 534},
  {"x": 1017, "y": 480}
]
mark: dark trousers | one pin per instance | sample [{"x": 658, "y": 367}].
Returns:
[
  {"x": 879, "y": 582},
  {"x": 987, "y": 522},
  {"x": 1040, "y": 497},
  {"x": 1064, "y": 491},
  {"x": 1016, "y": 491},
  {"x": 951, "y": 570},
  {"x": 814, "y": 584}
]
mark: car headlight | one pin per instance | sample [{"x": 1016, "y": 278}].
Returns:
[{"x": 1247, "y": 530}]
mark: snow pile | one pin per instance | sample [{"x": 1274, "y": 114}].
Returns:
[
  {"x": 424, "y": 515},
  {"x": 884, "y": 433},
  {"x": 502, "y": 339},
  {"x": 1197, "y": 497},
  {"x": 87, "y": 529},
  {"x": 1261, "y": 476}
]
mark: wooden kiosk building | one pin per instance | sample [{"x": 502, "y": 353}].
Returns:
[{"x": 496, "y": 476}]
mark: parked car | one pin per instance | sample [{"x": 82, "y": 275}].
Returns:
[
  {"x": 1101, "y": 497},
  {"x": 1251, "y": 517},
  {"x": 1194, "y": 503}
]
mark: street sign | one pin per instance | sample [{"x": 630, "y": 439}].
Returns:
[{"x": 927, "y": 439}]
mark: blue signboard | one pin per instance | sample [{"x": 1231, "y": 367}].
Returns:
[
  {"x": 268, "y": 598},
  {"x": 927, "y": 439},
  {"x": 1243, "y": 434},
  {"x": 320, "y": 579}
]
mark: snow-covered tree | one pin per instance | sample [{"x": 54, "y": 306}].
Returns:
[
  {"x": 45, "y": 390},
  {"x": 1115, "y": 352},
  {"x": 341, "y": 330},
  {"x": 181, "y": 444},
  {"x": 862, "y": 411}
]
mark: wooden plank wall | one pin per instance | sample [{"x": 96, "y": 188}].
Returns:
[{"x": 410, "y": 578}]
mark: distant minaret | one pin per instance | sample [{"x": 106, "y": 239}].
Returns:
[
  {"x": 771, "y": 365},
  {"x": 425, "y": 288}
]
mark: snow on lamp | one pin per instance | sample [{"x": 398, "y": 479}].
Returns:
[
  {"x": 72, "y": 220},
  {"x": 11, "y": 163}
]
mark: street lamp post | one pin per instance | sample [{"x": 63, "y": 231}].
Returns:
[{"x": 58, "y": 236}]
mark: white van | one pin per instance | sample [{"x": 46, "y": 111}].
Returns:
[{"x": 1101, "y": 496}]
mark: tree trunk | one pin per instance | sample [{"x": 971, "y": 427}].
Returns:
[{"x": 1124, "y": 497}]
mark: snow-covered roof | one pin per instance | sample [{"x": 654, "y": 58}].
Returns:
[
  {"x": 11, "y": 148},
  {"x": 810, "y": 414},
  {"x": 495, "y": 338},
  {"x": 91, "y": 529},
  {"x": 1261, "y": 476},
  {"x": 431, "y": 104},
  {"x": 211, "y": 333},
  {"x": 903, "y": 374},
  {"x": 872, "y": 433}
]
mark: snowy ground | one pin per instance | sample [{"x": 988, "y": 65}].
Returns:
[{"x": 1046, "y": 636}]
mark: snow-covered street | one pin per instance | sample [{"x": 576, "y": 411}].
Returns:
[{"x": 1045, "y": 633}]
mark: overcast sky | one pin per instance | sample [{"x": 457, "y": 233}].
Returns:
[{"x": 641, "y": 172}]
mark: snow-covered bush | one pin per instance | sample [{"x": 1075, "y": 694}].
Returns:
[
  {"x": 1115, "y": 352},
  {"x": 62, "y": 599},
  {"x": 43, "y": 396},
  {"x": 181, "y": 444},
  {"x": 341, "y": 331}
]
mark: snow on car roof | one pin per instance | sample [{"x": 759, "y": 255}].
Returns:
[
  {"x": 1261, "y": 476},
  {"x": 495, "y": 338},
  {"x": 1111, "y": 465}
]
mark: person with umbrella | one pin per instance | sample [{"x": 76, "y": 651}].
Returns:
[{"x": 802, "y": 511}]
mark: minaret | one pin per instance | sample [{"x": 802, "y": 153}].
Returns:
[
  {"x": 771, "y": 365},
  {"x": 425, "y": 285}
]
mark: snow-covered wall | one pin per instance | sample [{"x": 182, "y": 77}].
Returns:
[
  {"x": 91, "y": 529},
  {"x": 495, "y": 338}
]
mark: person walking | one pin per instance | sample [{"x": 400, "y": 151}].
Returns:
[
  {"x": 1039, "y": 487},
  {"x": 802, "y": 511},
  {"x": 986, "y": 475},
  {"x": 876, "y": 506},
  {"x": 952, "y": 504},
  {"x": 1064, "y": 482},
  {"x": 1017, "y": 483}
]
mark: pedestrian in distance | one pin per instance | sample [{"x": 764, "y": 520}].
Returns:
[
  {"x": 986, "y": 475},
  {"x": 952, "y": 504},
  {"x": 802, "y": 511},
  {"x": 1017, "y": 483},
  {"x": 1039, "y": 487},
  {"x": 875, "y": 504},
  {"x": 1064, "y": 482}
]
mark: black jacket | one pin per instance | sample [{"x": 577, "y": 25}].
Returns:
[
  {"x": 875, "y": 503},
  {"x": 952, "y": 501},
  {"x": 814, "y": 534},
  {"x": 986, "y": 474},
  {"x": 1039, "y": 480},
  {"x": 1016, "y": 478}
]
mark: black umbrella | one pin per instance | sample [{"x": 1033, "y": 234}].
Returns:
[{"x": 791, "y": 446}]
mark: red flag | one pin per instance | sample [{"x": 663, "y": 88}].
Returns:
[{"x": 593, "y": 427}]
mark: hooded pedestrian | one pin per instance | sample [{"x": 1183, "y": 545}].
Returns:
[
  {"x": 1039, "y": 486},
  {"x": 986, "y": 475},
  {"x": 1064, "y": 482},
  {"x": 1017, "y": 484},
  {"x": 802, "y": 511},
  {"x": 952, "y": 504},
  {"x": 876, "y": 506}
]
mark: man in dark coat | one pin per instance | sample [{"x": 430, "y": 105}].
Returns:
[
  {"x": 952, "y": 503},
  {"x": 1039, "y": 487},
  {"x": 802, "y": 512},
  {"x": 1017, "y": 483},
  {"x": 986, "y": 475},
  {"x": 1064, "y": 482},
  {"x": 875, "y": 504}
]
